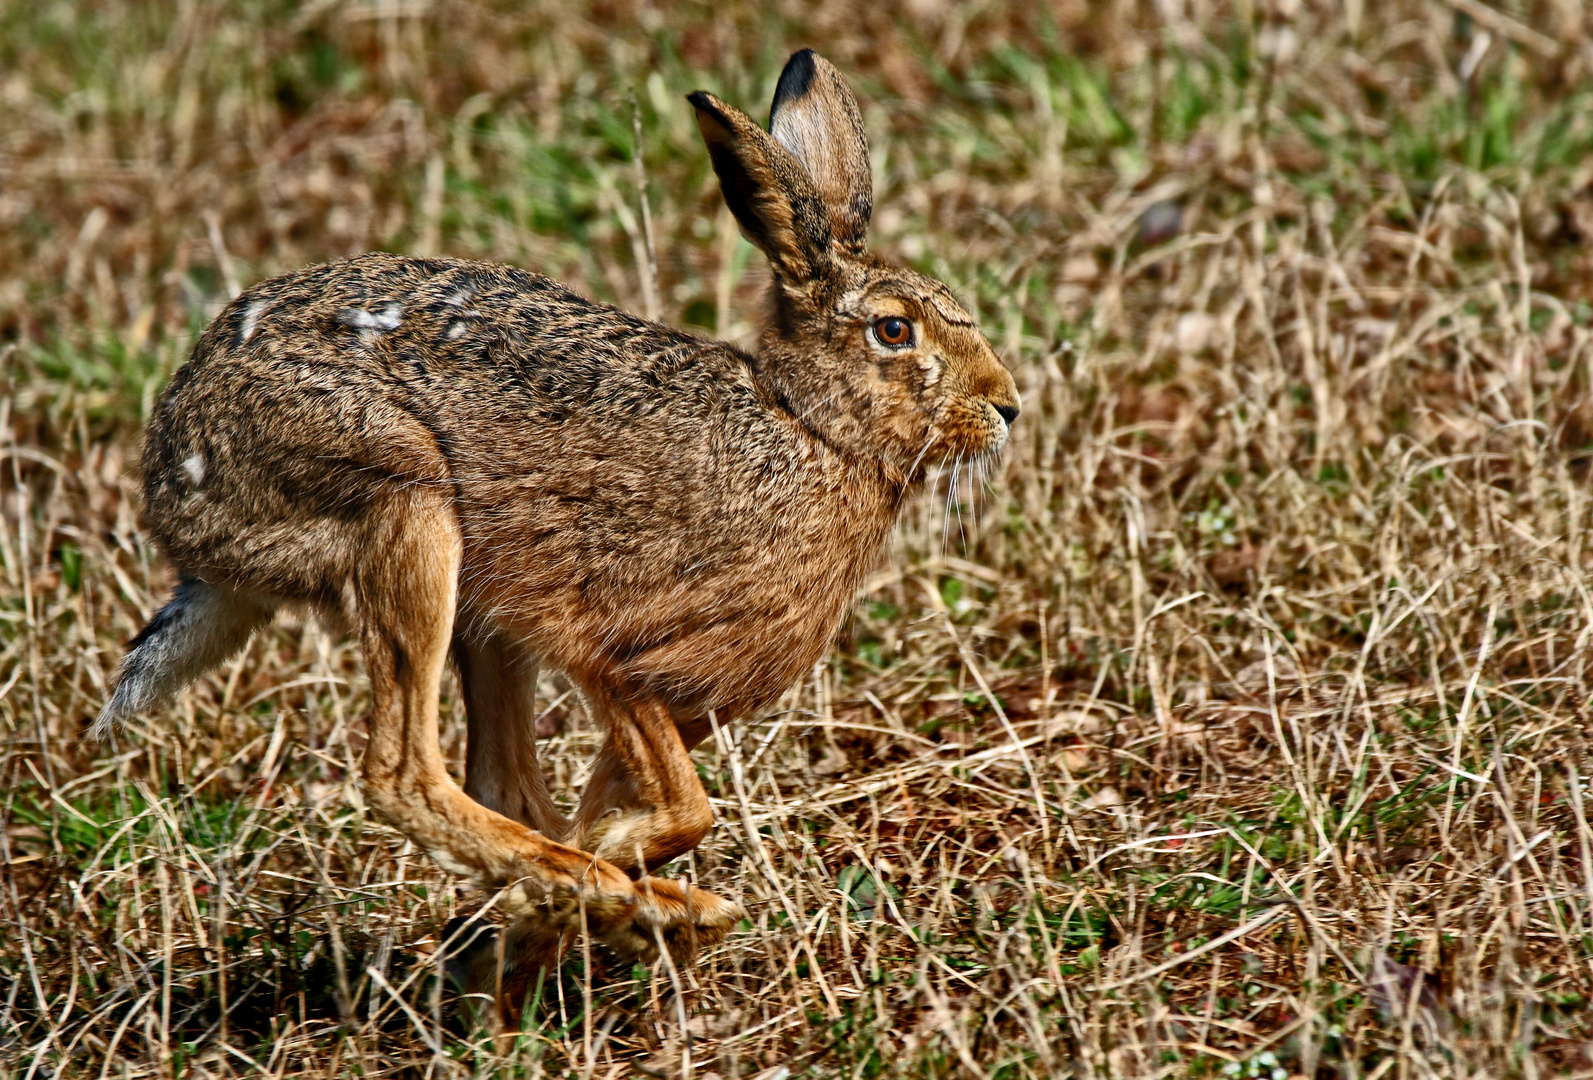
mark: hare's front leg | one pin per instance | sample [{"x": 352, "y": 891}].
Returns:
[
  {"x": 405, "y": 590},
  {"x": 645, "y": 806}
]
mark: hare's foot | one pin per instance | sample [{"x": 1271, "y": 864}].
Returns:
[
  {"x": 629, "y": 917},
  {"x": 504, "y": 964},
  {"x": 687, "y": 919}
]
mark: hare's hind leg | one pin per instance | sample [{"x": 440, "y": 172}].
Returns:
[
  {"x": 502, "y": 773},
  {"x": 406, "y": 593}
]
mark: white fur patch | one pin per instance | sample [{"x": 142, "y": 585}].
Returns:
[
  {"x": 458, "y": 330},
  {"x": 251, "y": 319},
  {"x": 382, "y": 318},
  {"x": 929, "y": 364},
  {"x": 458, "y": 299},
  {"x": 194, "y": 467}
]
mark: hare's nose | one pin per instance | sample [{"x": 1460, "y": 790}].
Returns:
[{"x": 1009, "y": 413}]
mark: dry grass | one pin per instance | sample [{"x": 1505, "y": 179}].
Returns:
[{"x": 1236, "y": 726}]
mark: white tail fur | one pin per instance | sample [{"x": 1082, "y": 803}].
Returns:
[{"x": 201, "y": 626}]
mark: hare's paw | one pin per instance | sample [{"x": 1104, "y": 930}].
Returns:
[
  {"x": 630, "y": 917},
  {"x": 686, "y": 919},
  {"x": 554, "y": 893}
]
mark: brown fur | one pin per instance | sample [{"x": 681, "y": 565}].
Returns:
[{"x": 473, "y": 459}]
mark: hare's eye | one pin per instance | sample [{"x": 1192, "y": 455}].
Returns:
[{"x": 893, "y": 331}]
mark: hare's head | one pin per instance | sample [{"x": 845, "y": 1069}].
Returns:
[{"x": 873, "y": 357}]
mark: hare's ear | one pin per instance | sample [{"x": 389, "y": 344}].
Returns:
[
  {"x": 816, "y": 117},
  {"x": 767, "y": 189}
]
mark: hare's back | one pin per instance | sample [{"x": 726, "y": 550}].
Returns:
[{"x": 317, "y": 395}]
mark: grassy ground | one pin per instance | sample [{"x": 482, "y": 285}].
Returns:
[{"x": 1237, "y": 726}]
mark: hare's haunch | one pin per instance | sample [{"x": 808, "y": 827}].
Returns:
[{"x": 471, "y": 460}]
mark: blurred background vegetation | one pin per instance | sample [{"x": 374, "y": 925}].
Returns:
[{"x": 156, "y": 157}]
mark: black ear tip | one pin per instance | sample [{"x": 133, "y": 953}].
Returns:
[
  {"x": 796, "y": 78},
  {"x": 705, "y": 105}
]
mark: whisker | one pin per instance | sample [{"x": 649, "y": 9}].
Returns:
[
  {"x": 929, "y": 439},
  {"x": 945, "y": 517},
  {"x": 962, "y": 533}
]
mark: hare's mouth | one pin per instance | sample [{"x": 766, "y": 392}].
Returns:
[
  {"x": 981, "y": 426},
  {"x": 965, "y": 451}
]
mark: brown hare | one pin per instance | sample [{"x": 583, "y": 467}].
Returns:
[{"x": 471, "y": 460}]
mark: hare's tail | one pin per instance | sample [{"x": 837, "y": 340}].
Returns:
[{"x": 201, "y": 626}]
